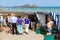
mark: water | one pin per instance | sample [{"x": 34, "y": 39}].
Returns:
[{"x": 41, "y": 9}]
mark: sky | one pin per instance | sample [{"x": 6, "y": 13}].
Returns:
[{"x": 42, "y": 3}]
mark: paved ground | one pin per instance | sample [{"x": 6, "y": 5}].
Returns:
[{"x": 31, "y": 36}]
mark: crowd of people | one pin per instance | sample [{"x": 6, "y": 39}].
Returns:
[
  {"x": 18, "y": 25},
  {"x": 15, "y": 24}
]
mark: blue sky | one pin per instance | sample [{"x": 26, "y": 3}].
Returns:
[{"x": 37, "y": 2}]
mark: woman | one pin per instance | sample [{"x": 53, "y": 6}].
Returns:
[
  {"x": 19, "y": 25},
  {"x": 8, "y": 23},
  {"x": 50, "y": 24}
]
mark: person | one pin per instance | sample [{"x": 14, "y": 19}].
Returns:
[
  {"x": 59, "y": 26},
  {"x": 19, "y": 25},
  {"x": 26, "y": 21},
  {"x": 1, "y": 23},
  {"x": 8, "y": 23},
  {"x": 50, "y": 24},
  {"x": 4, "y": 21},
  {"x": 13, "y": 21}
]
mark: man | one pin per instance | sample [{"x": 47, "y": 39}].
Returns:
[
  {"x": 26, "y": 25},
  {"x": 13, "y": 21}
]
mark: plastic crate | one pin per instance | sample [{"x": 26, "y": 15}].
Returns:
[
  {"x": 48, "y": 37},
  {"x": 40, "y": 31}
]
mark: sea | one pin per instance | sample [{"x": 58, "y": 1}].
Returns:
[{"x": 32, "y": 9}]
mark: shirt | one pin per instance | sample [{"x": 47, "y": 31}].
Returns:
[
  {"x": 13, "y": 19},
  {"x": 19, "y": 20},
  {"x": 26, "y": 21}
]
